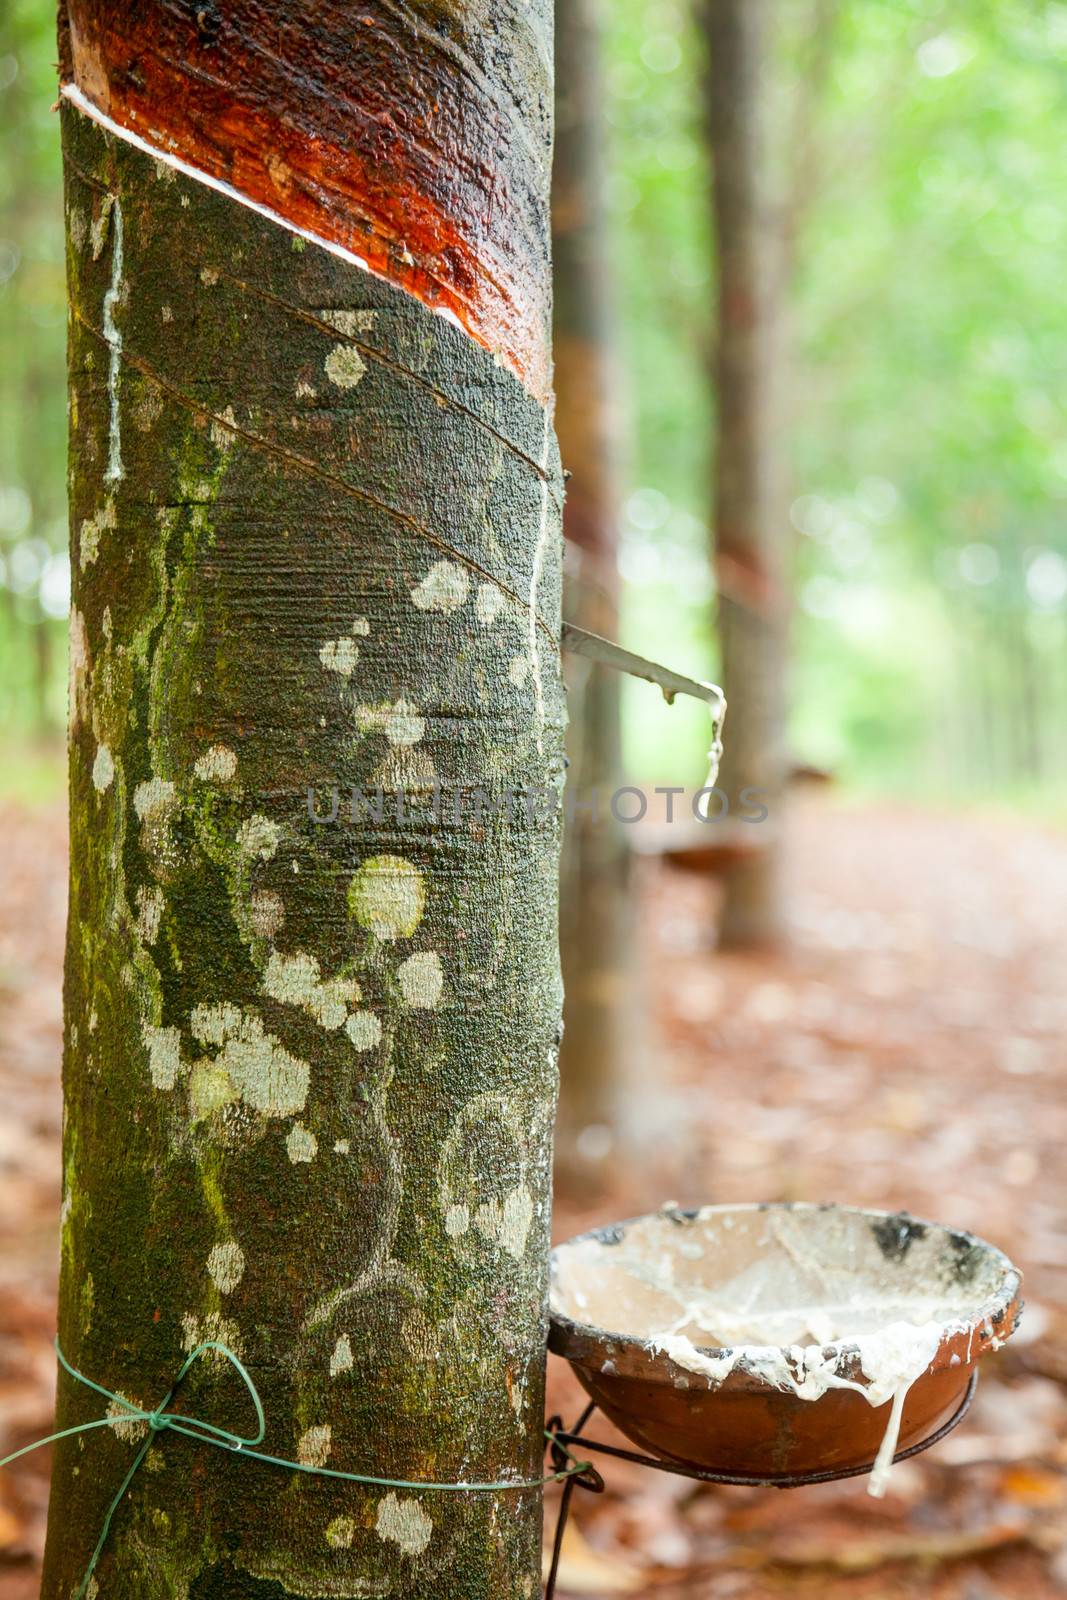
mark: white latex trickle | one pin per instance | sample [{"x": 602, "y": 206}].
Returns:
[
  {"x": 718, "y": 717},
  {"x": 891, "y": 1359}
]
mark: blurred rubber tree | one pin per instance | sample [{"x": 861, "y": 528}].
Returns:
[
  {"x": 749, "y": 524},
  {"x": 761, "y": 197},
  {"x": 599, "y": 944}
]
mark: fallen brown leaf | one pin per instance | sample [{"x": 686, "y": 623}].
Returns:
[{"x": 1032, "y": 1486}]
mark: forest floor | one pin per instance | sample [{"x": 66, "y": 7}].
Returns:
[{"x": 907, "y": 1049}]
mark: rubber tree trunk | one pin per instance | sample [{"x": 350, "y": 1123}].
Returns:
[
  {"x": 310, "y": 1065},
  {"x": 749, "y": 528},
  {"x": 597, "y": 923}
]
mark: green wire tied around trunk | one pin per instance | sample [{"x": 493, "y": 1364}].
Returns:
[{"x": 162, "y": 1419}]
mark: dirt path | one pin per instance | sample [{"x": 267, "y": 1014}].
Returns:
[
  {"x": 909, "y": 1050},
  {"x": 33, "y": 894}
]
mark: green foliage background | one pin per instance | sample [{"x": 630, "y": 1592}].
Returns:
[
  {"x": 926, "y": 432},
  {"x": 33, "y": 434}
]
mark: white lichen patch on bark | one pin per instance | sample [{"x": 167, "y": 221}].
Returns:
[
  {"x": 155, "y": 801},
  {"x": 313, "y": 1446},
  {"x": 519, "y": 670},
  {"x": 400, "y": 722},
  {"x": 164, "y": 1055},
  {"x": 345, "y": 366},
  {"x": 341, "y": 1360},
  {"x": 153, "y": 798},
  {"x": 296, "y": 980},
  {"x": 407, "y": 769},
  {"x": 77, "y": 227},
  {"x": 210, "y": 1088},
  {"x": 348, "y": 322},
  {"x": 223, "y": 428},
  {"x": 123, "y": 1424},
  {"x": 98, "y": 228},
  {"x": 252, "y": 1065},
  {"x": 103, "y": 769},
  {"x": 387, "y": 896},
  {"x": 92, "y": 530},
  {"x": 421, "y": 979},
  {"x": 340, "y": 656},
  {"x": 226, "y": 1265},
  {"x": 212, "y": 1326},
  {"x": 259, "y": 837},
  {"x": 216, "y": 765},
  {"x": 301, "y": 1145},
  {"x": 405, "y": 1523},
  {"x": 488, "y": 603},
  {"x": 444, "y": 588},
  {"x": 503, "y": 1220},
  {"x": 364, "y": 1030},
  {"x": 507, "y": 1223}
]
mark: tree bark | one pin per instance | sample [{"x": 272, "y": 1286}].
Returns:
[
  {"x": 749, "y": 528},
  {"x": 310, "y": 1065},
  {"x": 598, "y": 941}
]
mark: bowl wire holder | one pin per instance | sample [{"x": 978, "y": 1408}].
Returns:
[{"x": 561, "y": 1439}]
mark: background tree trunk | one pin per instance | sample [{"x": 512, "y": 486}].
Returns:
[
  {"x": 310, "y": 1066},
  {"x": 598, "y": 937},
  {"x": 749, "y": 527}
]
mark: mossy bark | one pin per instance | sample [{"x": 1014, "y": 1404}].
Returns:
[{"x": 310, "y": 1066}]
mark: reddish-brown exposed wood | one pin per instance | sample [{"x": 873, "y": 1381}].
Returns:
[{"x": 415, "y": 133}]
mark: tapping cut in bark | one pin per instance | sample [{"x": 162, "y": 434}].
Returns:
[
  {"x": 309, "y": 1068},
  {"x": 416, "y": 133}
]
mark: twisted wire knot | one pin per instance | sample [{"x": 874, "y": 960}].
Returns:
[{"x": 161, "y": 1420}]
